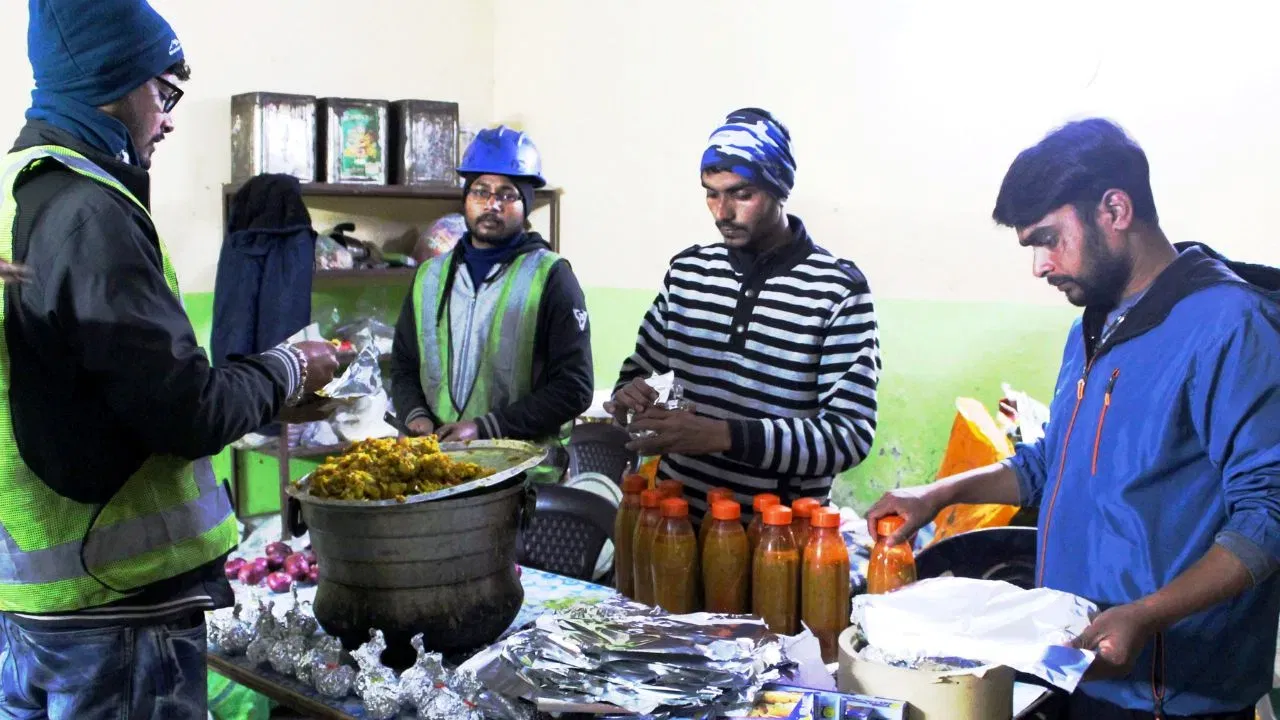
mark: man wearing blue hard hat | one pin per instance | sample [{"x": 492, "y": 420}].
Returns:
[
  {"x": 113, "y": 526},
  {"x": 493, "y": 341}
]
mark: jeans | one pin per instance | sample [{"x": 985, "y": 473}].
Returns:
[{"x": 104, "y": 673}]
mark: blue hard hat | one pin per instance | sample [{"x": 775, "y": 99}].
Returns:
[{"x": 503, "y": 151}]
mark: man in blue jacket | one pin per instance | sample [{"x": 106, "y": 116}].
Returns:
[{"x": 1158, "y": 479}]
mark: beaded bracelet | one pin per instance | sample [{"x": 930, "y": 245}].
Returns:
[{"x": 296, "y": 397}]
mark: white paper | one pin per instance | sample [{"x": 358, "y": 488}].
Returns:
[
  {"x": 987, "y": 621},
  {"x": 310, "y": 332},
  {"x": 662, "y": 384}
]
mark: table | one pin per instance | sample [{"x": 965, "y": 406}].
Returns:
[{"x": 543, "y": 592}]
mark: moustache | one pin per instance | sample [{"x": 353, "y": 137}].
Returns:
[
  {"x": 489, "y": 216},
  {"x": 723, "y": 226}
]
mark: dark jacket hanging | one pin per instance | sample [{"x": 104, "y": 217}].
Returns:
[{"x": 263, "y": 288}]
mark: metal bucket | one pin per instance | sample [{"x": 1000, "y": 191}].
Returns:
[{"x": 445, "y": 567}]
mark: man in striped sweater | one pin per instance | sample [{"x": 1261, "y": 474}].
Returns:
[{"x": 773, "y": 338}]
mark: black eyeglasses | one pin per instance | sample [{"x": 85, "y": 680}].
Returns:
[
  {"x": 505, "y": 196},
  {"x": 169, "y": 96}
]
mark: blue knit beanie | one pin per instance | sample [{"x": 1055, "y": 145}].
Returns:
[{"x": 98, "y": 51}]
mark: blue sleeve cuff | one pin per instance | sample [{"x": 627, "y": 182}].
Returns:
[
  {"x": 1260, "y": 564},
  {"x": 1027, "y": 465}
]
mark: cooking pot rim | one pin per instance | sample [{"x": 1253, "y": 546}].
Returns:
[{"x": 300, "y": 489}]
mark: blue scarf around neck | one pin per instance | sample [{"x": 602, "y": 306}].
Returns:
[
  {"x": 91, "y": 125},
  {"x": 480, "y": 261}
]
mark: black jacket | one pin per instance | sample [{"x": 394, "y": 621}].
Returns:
[
  {"x": 563, "y": 378},
  {"x": 263, "y": 290},
  {"x": 105, "y": 369}
]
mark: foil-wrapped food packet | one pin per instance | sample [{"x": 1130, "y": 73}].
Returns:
[
  {"x": 329, "y": 676},
  {"x": 266, "y": 633},
  {"x": 372, "y": 672},
  {"x": 231, "y": 633},
  {"x": 422, "y": 680},
  {"x": 635, "y": 658}
]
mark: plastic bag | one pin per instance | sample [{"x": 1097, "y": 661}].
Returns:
[
  {"x": 1023, "y": 417},
  {"x": 975, "y": 442}
]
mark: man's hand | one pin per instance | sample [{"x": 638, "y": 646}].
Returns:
[
  {"x": 679, "y": 431},
  {"x": 322, "y": 363},
  {"x": 458, "y": 432},
  {"x": 419, "y": 427},
  {"x": 311, "y": 409},
  {"x": 11, "y": 273},
  {"x": 1117, "y": 635},
  {"x": 635, "y": 395},
  {"x": 917, "y": 506}
]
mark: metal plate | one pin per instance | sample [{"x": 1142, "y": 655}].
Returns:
[{"x": 507, "y": 458}]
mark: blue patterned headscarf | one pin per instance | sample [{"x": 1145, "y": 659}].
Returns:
[{"x": 754, "y": 145}]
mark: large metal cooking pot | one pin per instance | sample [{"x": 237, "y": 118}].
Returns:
[{"x": 441, "y": 566}]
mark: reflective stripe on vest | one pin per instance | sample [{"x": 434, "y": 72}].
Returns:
[
  {"x": 171, "y": 516},
  {"x": 506, "y": 364}
]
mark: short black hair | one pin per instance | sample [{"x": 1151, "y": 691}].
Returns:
[
  {"x": 1074, "y": 165},
  {"x": 180, "y": 70}
]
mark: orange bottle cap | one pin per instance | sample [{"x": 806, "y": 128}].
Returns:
[
  {"x": 671, "y": 488},
  {"x": 764, "y": 500},
  {"x": 777, "y": 515},
  {"x": 726, "y": 510},
  {"x": 889, "y": 524},
  {"x": 633, "y": 484},
  {"x": 675, "y": 507},
  {"x": 825, "y": 517},
  {"x": 714, "y": 495},
  {"x": 650, "y": 498},
  {"x": 804, "y": 507}
]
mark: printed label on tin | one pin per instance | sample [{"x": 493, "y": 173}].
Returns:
[{"x": 361, "y": 151}]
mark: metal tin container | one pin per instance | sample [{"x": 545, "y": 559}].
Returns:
[
  {"x": 273, "y": 133},
  {"x": 424, "y": 142},
  {"x": 354, "y": 140}
]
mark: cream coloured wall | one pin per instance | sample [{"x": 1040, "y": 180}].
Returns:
[
  {"x": 388, "y": 49},
  {"x": 905, "y": 115}
]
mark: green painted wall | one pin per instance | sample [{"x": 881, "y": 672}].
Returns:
[{"x": 933, "y": 352}]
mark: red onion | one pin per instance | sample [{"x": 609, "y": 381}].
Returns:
[
  {"x": 261, "y": 564},
  {"x": 296, "y": 566},
  {"x": 310, "y": 556},
  {"x": 275, "y": 561},
  {"x": 277, "y": 548},
  {"x": 251, "y": 574},
  {"x": 232, "y": 568},
  {"x": 279, "y": 582}
]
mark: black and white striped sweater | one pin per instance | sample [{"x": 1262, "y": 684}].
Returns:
[{"x": 785, "y": 348}]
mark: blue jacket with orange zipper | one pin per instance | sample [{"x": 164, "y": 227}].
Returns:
[{"x": 1164, "y": 439}]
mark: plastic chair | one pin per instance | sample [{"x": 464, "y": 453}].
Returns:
[
  {"x": 998, "y": 553},
  {"x": 566, "y": 531},
  {"x": 600, "y": 447}
]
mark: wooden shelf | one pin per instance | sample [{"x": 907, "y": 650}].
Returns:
[
  {"x": 366, "y": 274},
  {"x": 405, "y": 192}
]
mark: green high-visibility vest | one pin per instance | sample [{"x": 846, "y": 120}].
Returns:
[
  {"x": 171, "y": 516},
  {"x": 505, "y": 372}
]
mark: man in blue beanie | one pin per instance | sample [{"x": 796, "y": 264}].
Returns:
[
  {"x": 773, "y": 339},
  {"x": 113, "y": 526}
]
